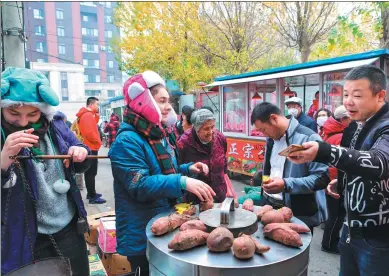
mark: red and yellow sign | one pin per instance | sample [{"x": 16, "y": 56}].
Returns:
[{"x": 245, "y": 156}]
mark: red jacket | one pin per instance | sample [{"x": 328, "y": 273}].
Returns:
[
  {"x": 88, "y": 127},
  {"x": 332, "y": 134}
]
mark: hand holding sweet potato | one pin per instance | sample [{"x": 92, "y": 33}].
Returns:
[
  {"x": 188, "y": 239},
  {"x": 248, "y": 205}
]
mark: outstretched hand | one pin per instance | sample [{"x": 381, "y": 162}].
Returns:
[{"x": 308, "y": 154}]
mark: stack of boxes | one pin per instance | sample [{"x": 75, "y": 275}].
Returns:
[{"x": 102, "y": 239}]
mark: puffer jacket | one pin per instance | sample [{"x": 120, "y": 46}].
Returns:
[
  {"x": 141, "y": 190},
  {"x": 15, "y": 247},
  {"x": 304, "y": 183},
  {"x": 363, "y": 174}
]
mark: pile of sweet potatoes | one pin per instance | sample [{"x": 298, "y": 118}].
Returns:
[
  {"x": 167, "y": 224},
  {"x": 268, "y": 215}
]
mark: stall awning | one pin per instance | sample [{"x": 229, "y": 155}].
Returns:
[{"x": 307, "y": 71}]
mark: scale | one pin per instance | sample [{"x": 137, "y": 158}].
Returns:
[{"x": 236, "y": 220}]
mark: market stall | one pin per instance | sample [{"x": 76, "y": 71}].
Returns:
[{"x": 238, "y": 94}]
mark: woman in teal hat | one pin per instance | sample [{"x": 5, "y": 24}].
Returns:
[{"x": 42, "y": 213}]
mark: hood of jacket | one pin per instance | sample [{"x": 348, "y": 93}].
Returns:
[
  {"x": 83, "y": 111},
  {"x": 332, "y": 126}
]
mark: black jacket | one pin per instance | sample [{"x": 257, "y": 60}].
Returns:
[{"x": 364, "y": 173}]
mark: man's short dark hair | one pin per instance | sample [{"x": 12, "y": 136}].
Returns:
[
  {"x": 187, "y": 110},
  {"x": 91, "y": 100},
  {"x": 263, "y": 111},
  {"x": 207, "y": 107},
  {"x": 374, "y": 75}
]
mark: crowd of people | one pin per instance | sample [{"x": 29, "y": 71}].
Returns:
[{"x": 339, "y": 177}]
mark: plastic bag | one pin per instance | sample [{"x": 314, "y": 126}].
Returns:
[{"x": 230, "y": 189}]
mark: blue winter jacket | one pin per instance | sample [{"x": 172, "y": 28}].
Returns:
[
  {"x": 141, "y": 189},
  {"x": 307, "y": 121},
  {"x": 15, "y": 246},
  {"x": 304, "y": 183}
]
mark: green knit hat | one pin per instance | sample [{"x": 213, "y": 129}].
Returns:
[{"x": 20, "y": 86}]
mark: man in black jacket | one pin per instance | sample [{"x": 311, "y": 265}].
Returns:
[{"x": 363, "y": 162}]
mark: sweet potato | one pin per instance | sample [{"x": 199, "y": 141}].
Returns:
[
  {"x": 271, "y": 217},
  {"x": 259, "y": 248},
  {"x": 205, "y": 205},
  {"x": 287, "y": 213},
  {"x": 298, "y": 227},
  {"x": 190, "y": 211},
  {"x": 248, "y": 205},
  {"x": 262, "y": 211},
  {"x": 282, "y": 234},
  {"x": 244, "y": 247},
  {"x": 167, "y": 224},
  {"x": 220, "y": 239},
  {"x": 193, "y": 224},
  {"x": 187, "y": 239}
]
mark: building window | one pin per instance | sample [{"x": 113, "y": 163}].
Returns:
[
  {"x": 110, "y": 64},
  {"x": 107, "y": 4},
  {"x": 41, "y": 60},
  {"x": 97, "y": 63},
  {"x": 91, "y": 63},
  {"x": 111, "y": 78},
  {"x": 64, "y": 80},
  {"x": 91, "y": 32},
  {"x": 89, "y": 17},
  {"x": 60, "y": 31},
  {"x": 65, "y": 94},
  {"x": 38, "y": 14},
  {"x": 111, "y": 93},
  {"x": 61, "y": 49},
  {"x": 40, "y": 47},
  {"x": 86, "y": 78},
  {"x": 90, "y": 48},
  {"x": 90, "y": 4},
  {"x": 59, "y": 14},
  {"x": 85, "y": 18},
  {"x": 109, "y": 49},
  {"x": 97, "y": 78},
  {"x": 108, "y": 34},
  {"x": 108, "y": 19},
  {"x": 85, "y": 62},
  {"x": 92, "y": 93},
  {"x": 40, "y": 30}
]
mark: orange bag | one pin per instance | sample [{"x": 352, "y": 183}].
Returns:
[{"x": 230, "y": 189}]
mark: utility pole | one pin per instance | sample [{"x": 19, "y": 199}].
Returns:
[{"x": 12, "y": 35}]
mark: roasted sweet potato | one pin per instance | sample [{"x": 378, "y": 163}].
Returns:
[
  {"x": 205, "y": 205},
  {"x": 220, "y": 239},
  {"x": 298, "y": 227},
  {"x": 282, "y": 234},
  {"x": 193, "y": 224},
  {"x": 271, "y": 217},
  {"x": 190, "y": 211},
  {"x": 259, "y": 248},
  {"x": 187, "y": 239},
  {"x": 263, "y": 210},
  {"x": 248, "y": 205},
  {"x": 167, "y": 224},
  {"x": 244, "y": 247},
  {"x": 287, "y": 213}
]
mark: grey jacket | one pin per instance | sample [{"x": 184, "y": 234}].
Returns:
[{"x": 304, "y": 183}]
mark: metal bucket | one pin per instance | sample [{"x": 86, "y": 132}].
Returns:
[{"x": 49, "y": 266}]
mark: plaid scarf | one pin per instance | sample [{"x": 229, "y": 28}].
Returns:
[{"x": 154, "y": 135}]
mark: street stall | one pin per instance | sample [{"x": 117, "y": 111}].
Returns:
[
  {"x": 271, "y": 257},
  {"x": 236, "y": 96}
]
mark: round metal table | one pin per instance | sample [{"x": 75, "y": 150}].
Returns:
[{"x": 281, "y": 260}]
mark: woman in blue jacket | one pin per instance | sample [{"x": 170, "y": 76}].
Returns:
[{"x": 147, "y": 179}]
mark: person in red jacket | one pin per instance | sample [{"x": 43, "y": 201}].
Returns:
[
  {"x": 112, "y": 128},
  {"x": 87, "y": 120},
  {"x": 332, "y": 133}
]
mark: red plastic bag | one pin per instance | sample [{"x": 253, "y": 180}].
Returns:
[{"x": 230, "y": 189}]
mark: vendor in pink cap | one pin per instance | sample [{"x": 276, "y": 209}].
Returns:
[{"x": 147, "y": 179}]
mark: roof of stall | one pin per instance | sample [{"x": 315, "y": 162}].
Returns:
[{"x": 324, "y": 65}]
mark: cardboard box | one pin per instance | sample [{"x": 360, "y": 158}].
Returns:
[
  {"x": 114, "y": 263},
  {"x": 107, "y": 234},
  {"x": 96, "y": 267},
  {"x": 94, "y": 222}
]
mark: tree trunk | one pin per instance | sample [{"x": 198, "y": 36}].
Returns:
[
  {"x": 385, "y": 24},
  {"x": 305, "y": 52}
]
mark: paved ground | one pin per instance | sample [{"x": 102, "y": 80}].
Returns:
[{"x": 320, "y": 264}]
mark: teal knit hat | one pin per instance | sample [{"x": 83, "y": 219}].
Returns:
[{"x": 20, "y": 86}]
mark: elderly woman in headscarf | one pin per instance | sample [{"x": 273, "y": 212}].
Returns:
[{"x": 204, "y": 143}]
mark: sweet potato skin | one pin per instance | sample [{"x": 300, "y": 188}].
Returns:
[
  {"x": 193, "y": 224},
  {"x": 262, "y": 211},
  {"x": 220, "y": 240},
  {"x": 271, "y": 217},
  {"x": 244, "y": 247},
  {"x": 259, "y": 248},
  {"x": 188, "y": 239},
  {"x": 206, "y": 205},
  {"x": 191, "y": 211},
  {"x": 167, "y": 224},
  {"x": 248, "y": 205},
  {"x": 282, "y": 234},
  {"x": 298, "y": 227},
  {"x": 287, "y": 213}
]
